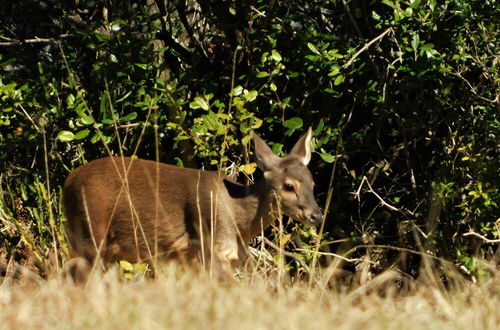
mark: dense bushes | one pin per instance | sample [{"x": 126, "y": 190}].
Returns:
[{"x": 402, "y": 97}]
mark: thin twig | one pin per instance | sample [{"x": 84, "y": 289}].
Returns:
[
  {"x": 487, "y": 240},
  {"x": 473, "y": 90},
  {"x": 417, "y": 228},
  {"x": 384, "y": 203},
  {"x": 15, "y": 42},
  {"x": 258, "y": 11},
  {"x": 366, "y": 46},
  {"x": 30, "y": 119},
  {"x": 397, "y": 248},
  {"x": 337, "y": 256}
]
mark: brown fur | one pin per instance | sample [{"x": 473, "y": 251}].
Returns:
[{"x": 120, "y": 208}]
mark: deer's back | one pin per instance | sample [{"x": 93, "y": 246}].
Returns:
[{"x": 133, "y": 209}]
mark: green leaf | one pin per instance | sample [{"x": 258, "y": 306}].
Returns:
[
  {"x": 248, "y": 168},
  {"x": 313, "y": 48},
  {"x": 103, "y": 105},
  {"x": 82, "y": 134},
  {"x": 237, "y": 91},
  {"x": 428, "y": 50},
  {"x": 319, "y": 128},
  {"x": 129, "y": 117},
  {"x": 141, "y": 65},
  {"x": 101, "y": 37},
  {"x": 415, "y": 3},
  {"x": 126, "y": 266},
  {"x": 246, "y": 140},
  {"x": 275, "y": 56},
  {"x": 250, "y": 95},
  {"x": 335, "y": 70},
  {"x": 65, "y": 136},
  {"x": 96, "y": 137},
  {"x": 87, "y": 120},
  {"x": 342, "y": 120},
  {"x": 293, "y": 123},
  {"x": 427, "y": 47},
  {"x": 277, "y": 149},
  {"x": 9, "y": 61},
  {"x": 24, "y": 192},
  {"x": 123, "y": 97},
  {"x": 257, "y": 123},
  {"x": 113, "y": 58},
  {"x": 415, "y": 41},
  {"x": 339, "y": 80},
  {"x": 389, "y": 3},
  {"x": 199, "y": 103},
  {"x": 70, "y": 99},
  {"x": 211, "y": 121},
  {"x": 223, "y": 115},
  {"x": 327, "y": 157}
]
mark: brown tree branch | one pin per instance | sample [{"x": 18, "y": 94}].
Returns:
[
  {"x": 487, "y": 240},
  {"x": 16, "y": 42},
  {"x": 473, "y": 90},
  {"x": 366, "y": 46}
]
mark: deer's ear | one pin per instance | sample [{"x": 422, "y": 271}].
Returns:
[
  {"x": 302, "y": 149},
  {"x": 266, "y": 159}
]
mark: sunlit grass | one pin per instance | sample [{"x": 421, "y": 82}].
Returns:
[{"x": 188, "y": 300}]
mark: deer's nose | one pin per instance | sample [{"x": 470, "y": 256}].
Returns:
[{"x": 315, "y": 218}]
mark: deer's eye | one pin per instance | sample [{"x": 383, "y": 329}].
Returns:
[{"x": 288, "y": 187}]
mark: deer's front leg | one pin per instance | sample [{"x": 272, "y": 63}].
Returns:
[{"x": 226, "y": 254}]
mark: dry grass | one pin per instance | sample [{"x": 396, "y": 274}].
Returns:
[{"x": 189, "y": 301}]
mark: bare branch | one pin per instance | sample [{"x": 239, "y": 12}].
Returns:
[
  {"x": 384, "y": 203},
  {"x": 337, "y": 256},
  {"x": 487, "y": 240},
  {"x": 15, "y": 42},
  {"x": 473, "y": 90},
  {"x": 366, "y": 46},
  {"x": 257, "y": 11}
]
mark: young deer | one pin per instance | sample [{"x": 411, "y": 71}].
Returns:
[{"x": 121, "y": 208}]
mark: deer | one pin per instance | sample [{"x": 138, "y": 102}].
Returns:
[{"x": 121, "y": 208}]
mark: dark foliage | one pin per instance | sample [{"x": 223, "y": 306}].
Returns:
[{"x": 402, "y": 96}]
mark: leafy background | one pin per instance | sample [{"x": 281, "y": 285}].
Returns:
[{"x": 403, "y": 98}]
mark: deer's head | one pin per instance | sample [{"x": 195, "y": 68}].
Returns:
[{"x": 290, "y": 179}]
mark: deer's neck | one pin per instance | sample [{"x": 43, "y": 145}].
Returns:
[{"x": 256, "y": 210}]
